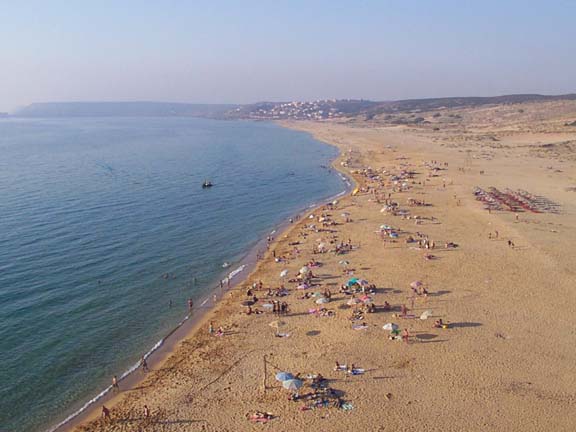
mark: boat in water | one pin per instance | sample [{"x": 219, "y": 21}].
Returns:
[{"x": 207, "y": 184}]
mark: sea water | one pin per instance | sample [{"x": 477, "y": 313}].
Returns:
[{"x": 105, "y": 232}]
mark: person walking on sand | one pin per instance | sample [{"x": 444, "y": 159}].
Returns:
[
  {"x": 403, "y": 310},
  {"x": 144, "y": 365},
  {"x": 146, "y": 411},
  {"x": 115, "y": 386},
  {"x": 105, "y": 413}
]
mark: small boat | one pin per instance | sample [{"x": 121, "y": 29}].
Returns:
[
  {"x": 225, "y": 265},
  {"x": 206, "y": 184}
]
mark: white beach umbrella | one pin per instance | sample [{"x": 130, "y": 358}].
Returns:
[
  {"x": 292, "y": 384},
  {"x": 426, "y": 314},
  {"x": 390, "y": 326},
  {"x": 283, "y": 273},
  {"x": 304, "y": 270}
]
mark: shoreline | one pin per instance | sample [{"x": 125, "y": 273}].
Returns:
[
  {"x": 501, "y": 305},
  {"x": 192, "y": 323}
]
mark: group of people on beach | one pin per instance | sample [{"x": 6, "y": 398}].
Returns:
[{"x": 307, "y": 279}]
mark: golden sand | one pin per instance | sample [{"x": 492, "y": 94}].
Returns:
[{"x": 505, "y": 362}]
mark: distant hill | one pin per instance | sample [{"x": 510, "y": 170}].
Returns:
[
  {"x": 332, "y": 109},
  {"x": 122, "y": 109},
  {"x": 310, "y": 110},
  {"x": 415, "y": 105},
  {"x": 315, "y": 110}
]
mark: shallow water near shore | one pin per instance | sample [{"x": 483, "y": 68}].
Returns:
[{"x": 106, "y": 232}]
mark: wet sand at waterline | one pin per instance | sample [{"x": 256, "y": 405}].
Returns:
[{"x": 504, "y": 362}]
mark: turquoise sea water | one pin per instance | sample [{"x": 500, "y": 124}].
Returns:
[{"x": 93, "y": 213}]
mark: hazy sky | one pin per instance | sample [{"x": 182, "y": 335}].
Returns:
[{"x": 246, "y": 51}]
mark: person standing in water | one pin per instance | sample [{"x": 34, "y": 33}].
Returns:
[
  {"x": 190, "y": 304},
  {"x": 115, "y": 386},
  {"x": 144, "y": 365}
]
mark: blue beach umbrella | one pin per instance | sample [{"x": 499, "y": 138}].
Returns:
[
  {"x": 292, "y": 384},
  {"x": 284, "y": 376},
  {"x": 352, "y": 281}
]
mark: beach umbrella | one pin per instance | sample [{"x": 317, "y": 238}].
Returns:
[
  {"x": 304, "y": 270},
  {"x": 284, "y": 376},
  {"x": 363, "y": 282},
  {"x": 322, "y": 300},
  {"x": 416, "y": 284},
  {"x": 384, "y": 227},
  {"x": 283, "y": 273},
  {"x": 426, "y": 314},
  {"x": 247, "y": 303},
  {"x": 353, "y": 301},
  {"x": 292, "y": 384},
  {"x": 322, "y": 246},
  {"x": 345, "y": 214},
  {"x": 394, "y": 235},
  {"x": 334, "y": 202},
  {"x": 268, "y": 306},
  {"x": 352, "y": 281},
  {"x": 390, "y": 326},
  {"x": 344, "y": 263},
  {"x": 317, "y": 294},
  {"x": 302, "y": 286}
]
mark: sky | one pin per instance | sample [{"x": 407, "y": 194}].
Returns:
[{"x": 246, "y": 51}]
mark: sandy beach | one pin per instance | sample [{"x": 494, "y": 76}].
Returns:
[{"x": 500, "y": 281}]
